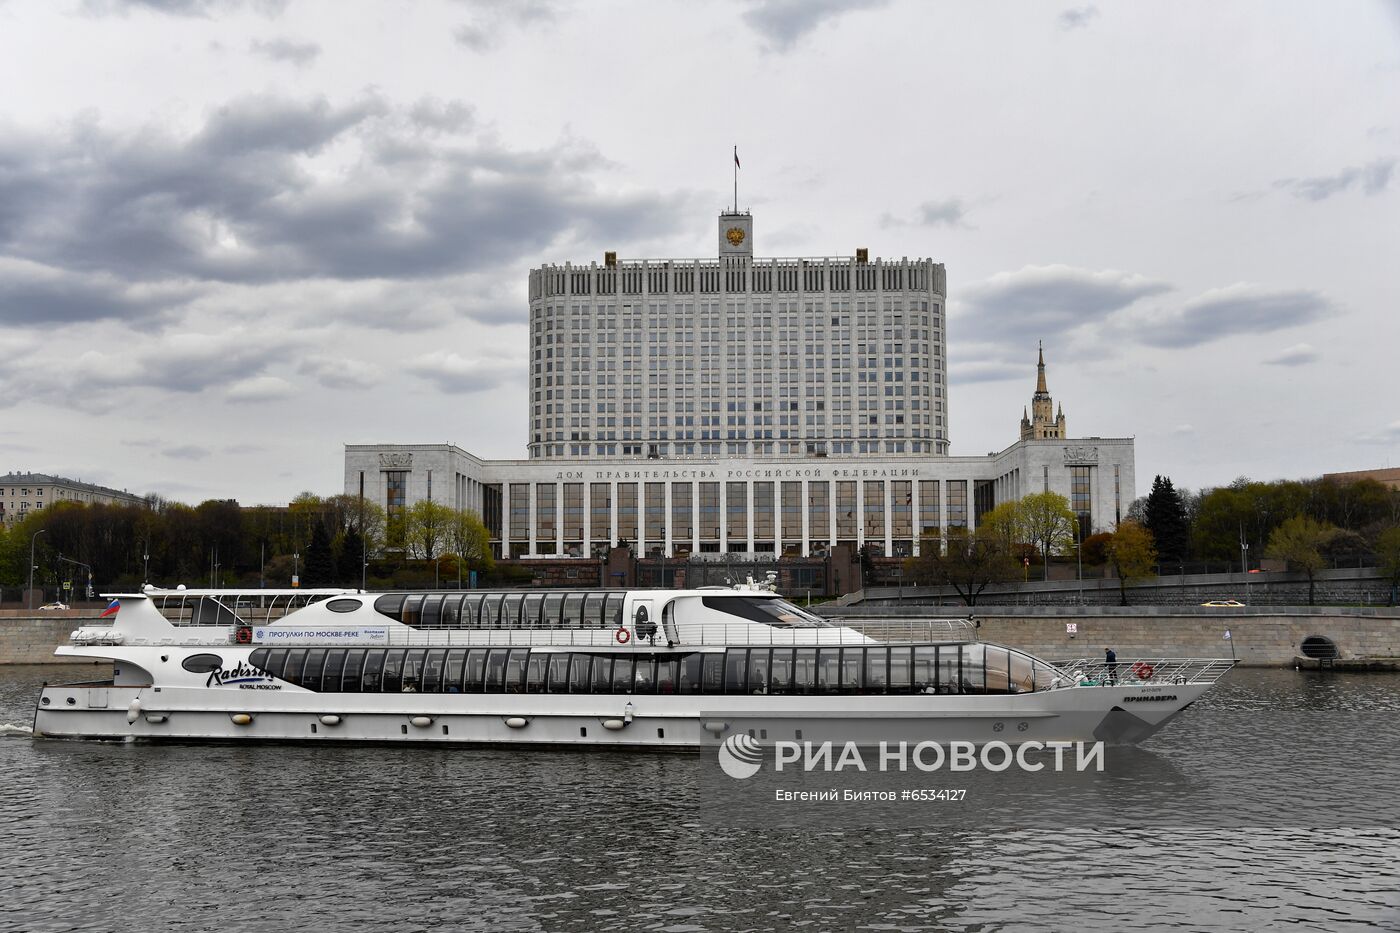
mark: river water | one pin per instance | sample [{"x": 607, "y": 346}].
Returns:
[{"x": 114, "y": 837}]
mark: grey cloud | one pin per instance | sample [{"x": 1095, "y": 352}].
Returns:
[
  {"x": 242, "y": 199},
  {"x": 491, "y": 17},
  {"x": 1048, "y": 300},
  {"x": 258, "y": 389},
  {"x": 339, "y": 372},
  {"x": 985, "y": 371},
  {"x": 784, "y": 22},
  {"x": 451, "y": 116},
  {"x": 450, "y": 372},
  {"x": 1296, "y": 355},
  {"x": 1372, "y": 178},
  {"x": 237, "y": 449},
  {"x": 949, "y": 212},
  {"x": 186, "y": 452},
  {"x": 289, "y": 51},
  {"x": 1386, "y": 436},
  {"x": 1077, "y": 17},
  {"x": 1222, "y": 312},
  {"x": 33, "y": 294},
  {"x": 188, "y": 8}
]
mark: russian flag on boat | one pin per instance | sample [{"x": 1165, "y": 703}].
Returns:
[{"x": 111, "y": 609}]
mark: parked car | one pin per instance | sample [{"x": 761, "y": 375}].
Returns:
[
  {"x": 54, "y": 606},
  {"x": 1223, "y": 603}
]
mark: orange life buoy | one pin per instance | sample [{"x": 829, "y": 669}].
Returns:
[
  {"x": 243, "y": 635},
  {"x": 623, "y": 636},
  {"x": 1144, "y": 671}
]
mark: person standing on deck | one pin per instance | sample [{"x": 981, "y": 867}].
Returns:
[{"x": 1110, "y": 663}]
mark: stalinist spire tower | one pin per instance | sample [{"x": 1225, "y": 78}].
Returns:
[{"x": 1043, "y": 421}]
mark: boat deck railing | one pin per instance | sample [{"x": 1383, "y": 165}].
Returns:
[{"x": 1146, "y": 671}]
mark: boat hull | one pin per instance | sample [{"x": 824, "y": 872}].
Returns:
[{"x": 1117, "y": 715}]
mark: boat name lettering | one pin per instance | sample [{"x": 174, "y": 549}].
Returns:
[
  {"x": 1158, "y": 698},
  {"x": 271, "y": 635},
  {"x": 241, "y": 674}
]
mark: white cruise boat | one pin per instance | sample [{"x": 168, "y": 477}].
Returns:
[{"x": 615, "y": 668}]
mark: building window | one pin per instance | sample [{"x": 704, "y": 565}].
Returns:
[
  {"x": 928, "y": 507},
  {"x": 395, "y": 492},
  {"x": 1080, "y": 498},
  {"x": 957, "y": 503}
]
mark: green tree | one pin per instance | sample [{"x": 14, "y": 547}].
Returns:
[
  {"x": 1300, "y": 541},
  {"x": 469, "y": 540},
  {"x": 349, "y": 557},
  {"x": 318, "y": 564},
  {"x": 1132, "y": 553},
  {"x": 1048, "y": 523},
  {"x": 1388, "y": 550},
  {"x": 1165, "y": 517},
  {"x": 427, "y": 528},
  {"x": 972, "y": 562}
]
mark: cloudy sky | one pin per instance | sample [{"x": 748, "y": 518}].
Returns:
[{"x": 238, "y": 234}]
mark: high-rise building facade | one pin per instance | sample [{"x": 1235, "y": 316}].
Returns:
[
  {"x": 744, "y": 406},
  {"x": 738, "y": 357}
]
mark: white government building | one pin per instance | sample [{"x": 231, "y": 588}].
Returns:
[{"x": 744, "y": 406}]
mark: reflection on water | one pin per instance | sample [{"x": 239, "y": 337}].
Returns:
[{"x": 111, "y": 836}]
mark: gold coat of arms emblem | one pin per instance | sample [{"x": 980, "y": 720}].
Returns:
[{"x": 735, "y": 235}]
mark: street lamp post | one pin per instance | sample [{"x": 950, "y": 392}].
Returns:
[
  {"x": 29, "y": 597},
  {"x": 296, "y": 568},
  {"x": 1244, "y": 566},
  {"x": 146, "y": 564}
]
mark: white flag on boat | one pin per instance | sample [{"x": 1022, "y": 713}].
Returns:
[{"x": 1227, "y": 635}]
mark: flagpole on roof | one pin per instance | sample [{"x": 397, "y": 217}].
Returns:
[{"x": 736, "y": 179}]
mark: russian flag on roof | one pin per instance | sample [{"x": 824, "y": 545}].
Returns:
[{"x": 111, "y": 609}]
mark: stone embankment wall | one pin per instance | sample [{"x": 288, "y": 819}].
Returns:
[
  {"x": 1262, "y": 638},
  {"x": 29, "y": 637}
]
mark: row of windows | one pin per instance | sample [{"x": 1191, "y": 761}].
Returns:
[{"x": 883, "y": 670}]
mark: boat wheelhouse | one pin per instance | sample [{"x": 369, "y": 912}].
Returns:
[{"x": 637, "y": 668}]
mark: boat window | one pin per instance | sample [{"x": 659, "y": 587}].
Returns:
[
  {"x": 780, "y": 680},
  {"x": 296, "y": 657},
  {"x": 413, "y": 671},
  {"x": 374, "y": 667},
  {"x": 852, "y": 660},
  {"x": 559, "y": 672},
  {"x": 974, "y": 669},
  {"x": 593, "y": 606},
  {"x": 644, "y": 674},
  {"x": 690, "y": 673},
  {"x": 451, "y": 612},
  {"x": 393, "y": 670},
  {"x": 430, "y": 612},
  {"x": 828, "y": 670},
  {"x": 474, "y": 677},
  {"x": 804, "y": 674},
  {"x": 899, "y": 669},
  {"x": 573, "y": 611},
  {"x": 452, "y": 671},
  {"x": 1026, "y": 675},
  {"x": 712, "y": 673},
  {"x": 950, "y": 669},
  {"x": 311, "y": 673},
  {"x": 272, "y": 660},
  {"x": 997, "y": 666},
  {"x": 666, "y": 670},
  {"x": 471, "y": 611},
  {"x": 579, "y": 674},
  {"x": 877, "y": 670},
  {"x": 758, "y": 669},
  {"x": 204, "y": 663},
  {"x": 532, "y": 608},
  {"x": 515, "y": 670},
  {"x": 622, "y": 674},
  {"x": 735, "y": 664},
  {"x": 390, "y": 605},
  {"x": 343, "y": 605},
  {"x": 602, "y": 674},
  {"x": 553, "y": 610},
  {"x": 614, "y": 611},
  {"x": 432, "y": 670},
  {"x": 769, "y": 611},
  {"x": 209, "y": 611},
  {"x": 330, "y": 674},
  {"x": 411, "y": 610},
  {"x": 535, "y": 673},
  {"x": 510, "y": 610},
  {"x": 350, "y": 677},
  {"x": 925, "y": 669},
  {"x": 496, "y": 670}
]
